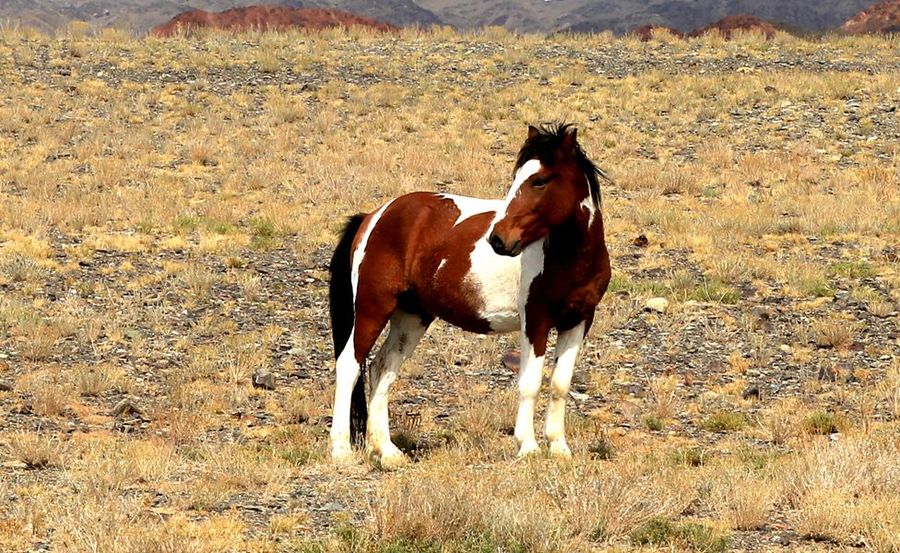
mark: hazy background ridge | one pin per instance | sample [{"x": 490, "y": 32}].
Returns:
[{"x": 519, "y": 15}]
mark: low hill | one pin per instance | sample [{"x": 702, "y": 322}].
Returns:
[
  {"x": 883, "y": 17},
  {"x": 645, "y": 32},
  {"x": 265, "y": 18},
  {"x": 728, "y": 25}
]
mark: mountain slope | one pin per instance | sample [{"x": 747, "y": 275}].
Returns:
[
  {"x": 519, "y": 15},
  {"x": 883, "y": 17},
  {"x": 141, "y": 15},
  {"x": 624, "y": 15}
]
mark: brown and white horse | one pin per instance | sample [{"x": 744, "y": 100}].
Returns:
[{"x": 425, "y": 255}]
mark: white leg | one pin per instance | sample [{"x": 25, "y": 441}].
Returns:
[
  {"x": 405, "y": 332},
  {"x": 567, "y": 346},
  {"x": 347, "y": 371},
  {"x": 531, "y": 366},
  {"x": 530, "y": 374}
]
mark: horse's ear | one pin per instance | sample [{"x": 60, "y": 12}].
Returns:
[
  {"x": 533, "y": 131},
  {"x": 570, "y": 140}
]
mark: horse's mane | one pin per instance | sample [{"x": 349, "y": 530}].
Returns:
[{"x": 544, "y": 145}]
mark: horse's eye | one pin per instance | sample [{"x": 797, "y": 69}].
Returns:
[{"x": 539, "y": 182}]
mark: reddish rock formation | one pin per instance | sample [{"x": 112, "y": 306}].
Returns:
[
  {"x": 883, "y": 17},
  {"x": 727, "y": 25},
  {"x": 265, "y": 18},
  {"x": 645, "y": 32}
]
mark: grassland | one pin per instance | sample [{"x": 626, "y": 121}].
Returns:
[{"x": 167, "y": 210}]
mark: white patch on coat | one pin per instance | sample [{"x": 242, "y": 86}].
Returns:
[
  {"x": 588, "y": 205},
  {"x": 469, "y": 206},
  {"x": 496, "y": 278},
  {"x": 499, "y": 278},
  {"x": 532, "y": 266},
  {"x": 360, "y": 250}
]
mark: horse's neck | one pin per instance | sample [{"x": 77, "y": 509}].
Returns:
[{"x": 577, "y": 240}]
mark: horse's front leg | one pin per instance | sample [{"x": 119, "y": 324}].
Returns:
[
  {"x": 567, "y": 346},
  {"x": 533, "y": 346}
]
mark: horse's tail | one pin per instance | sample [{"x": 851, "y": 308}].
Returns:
[{"x": 340, "y": 302}]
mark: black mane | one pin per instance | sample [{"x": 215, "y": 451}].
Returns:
[{"x": 543, "y": 147}]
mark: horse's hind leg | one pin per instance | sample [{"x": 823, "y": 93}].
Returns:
[
  {"x": 368, "y": 323},
  {"x": 405, "y": 332}
]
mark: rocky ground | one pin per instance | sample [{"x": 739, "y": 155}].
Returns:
[{"x": 204, "y": 332}]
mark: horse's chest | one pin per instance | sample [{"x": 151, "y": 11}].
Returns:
[{"x": 495, "y": 281}]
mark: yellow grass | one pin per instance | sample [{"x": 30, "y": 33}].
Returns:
[{"x": 167, "y": 209}]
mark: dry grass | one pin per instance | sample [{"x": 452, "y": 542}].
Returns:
[
  {"x": 35, "y": 451},
  {"x": 533, "y": 506},
  {"x": 167, "y": 209},
  {"x": 743, "y": 498},
  {"x": 833, "y": 332},
  {"x": 846, "y": 491}
]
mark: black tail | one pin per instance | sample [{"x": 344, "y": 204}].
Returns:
[{"x": 340, "y": 299}]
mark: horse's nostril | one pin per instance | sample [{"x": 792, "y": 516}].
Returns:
[{"x": 496, "y": 243}]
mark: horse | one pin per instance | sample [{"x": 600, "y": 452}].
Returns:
[{"x": 534, "y": 261}]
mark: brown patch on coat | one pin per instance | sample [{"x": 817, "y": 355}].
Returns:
[
  {"x": 400, "y": 265},
  {"x": 575, "y": 277}
]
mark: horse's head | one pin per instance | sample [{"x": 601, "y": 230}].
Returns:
[{"x": 552, "y": 180}]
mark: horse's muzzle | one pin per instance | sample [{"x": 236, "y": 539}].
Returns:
[{"x": 500, "y": 247}]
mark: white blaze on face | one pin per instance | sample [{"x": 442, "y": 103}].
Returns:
[{"x": 525, "y": 172}]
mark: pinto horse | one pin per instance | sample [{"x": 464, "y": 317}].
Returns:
[{"x": 532, "y": 262}]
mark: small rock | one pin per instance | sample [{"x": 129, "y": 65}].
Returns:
[
  {"x": 752, "y": 392},
  {"x": 828, "y": 374},
  {"x": 125, "y": 408},
  {"x": 333, "y": 506},
  {"x": 761, "y": 318},
  {"x": 786, "y": 349},
  {"x": 627, "y": 409},
  {"x": 660, "y": 305},
  {"x": 264, "y": 380},
  {"x": 578, "y": 396},
  {"x": 15, "y": 465},
  {"x": 511, "y": 361},
  {"x": 5, "y": 387}
]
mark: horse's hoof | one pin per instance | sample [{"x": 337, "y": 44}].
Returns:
[
  {"x": 527, "y": 449},
  {"x": 342, "y": 455},
  {"x": 389, "y": 460},
  {"x": 560, "y": 450}
]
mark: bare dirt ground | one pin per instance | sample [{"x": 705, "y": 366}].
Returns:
[{"x": 168, "y": 208}]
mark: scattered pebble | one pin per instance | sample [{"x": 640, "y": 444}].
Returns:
[
  {"x": 125, "y": 408},
  {"x": 264, "y": 380},
  {"x": 660, "y": 305}
]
